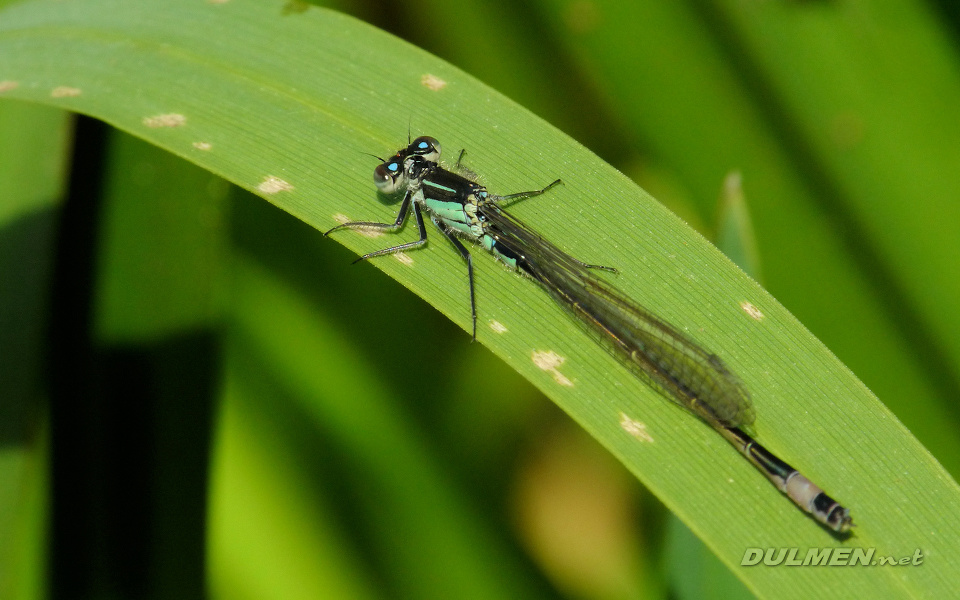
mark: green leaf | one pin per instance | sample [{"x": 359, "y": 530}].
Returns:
[
  {"x": 32, "y": 143},
  {"x": 283, "y": 104}
]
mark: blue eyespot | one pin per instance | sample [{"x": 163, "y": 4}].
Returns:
[
  {"x": 423, "y": 145},
  {"x": 393, "y": 166}
]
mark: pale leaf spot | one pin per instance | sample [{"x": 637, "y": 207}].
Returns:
[
  {"x": 752, "y": 310},
  {"x": 404, "y": 258},
  {"x": 549, "y": 361},
  {"x": 497, "y": 326},
  {"x": 65, "y": 92},
  {"x": 637, "y": 429},
  {"x": 272, "y": 185},
  {"x": 202, "y": 145},
  {"x": 166, "y": 120},
  {"x": 432, "y": 82},
  {"x": 6, "y": 86}
]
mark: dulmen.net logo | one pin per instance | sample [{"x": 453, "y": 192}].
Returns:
[{"x": 829, "y": 557}]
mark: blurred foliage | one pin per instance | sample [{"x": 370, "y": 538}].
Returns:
[
  {"x": 32, "y": 151},
  {"x": 840, "y": 118}
]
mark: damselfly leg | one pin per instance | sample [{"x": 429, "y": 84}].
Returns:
[
  {"x": 409, "y": 245},
  {"x": 450, "y": 235},
  {"x": 401, "y": 217},
  {"x": 530, "y": 194}
]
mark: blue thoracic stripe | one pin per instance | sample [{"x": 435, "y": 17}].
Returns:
[{"x": 439, "y": 187}]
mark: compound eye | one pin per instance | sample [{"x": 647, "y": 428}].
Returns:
[
  {"x": 427, "y": 147},
  {"x": 388, "y": 176}
]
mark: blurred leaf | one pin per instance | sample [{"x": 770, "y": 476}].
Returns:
[
  {"x": 162, "y": 236},
  {"x": 270, "y": 537},
  {"x": 695, "y": 572},
  {"x": 735, "y": 234},
  {"x": 428, "y": 535},
  {"x": 33, "y": 141},
  {"x": 876, "y": 95}
]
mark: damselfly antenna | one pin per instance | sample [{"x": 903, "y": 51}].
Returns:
[{"x": 375, "y": 156}]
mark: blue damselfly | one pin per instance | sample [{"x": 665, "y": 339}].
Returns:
[{"x": 688, "y": 374}]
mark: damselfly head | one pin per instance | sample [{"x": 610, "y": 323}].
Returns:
[{"x": 389, "y": 175}]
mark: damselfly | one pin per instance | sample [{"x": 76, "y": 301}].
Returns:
[{"x": 687, "y": 373}]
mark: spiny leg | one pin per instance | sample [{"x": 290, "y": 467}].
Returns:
[
  {"x": 466, "y": 256},
  {"x": 401, "y": 217},
  {"x": 518, "y": 195},
  {"x": 408, "y": 245},
  {"x": 522, "y": 195},
  {"x": 600, "y": 267}
]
